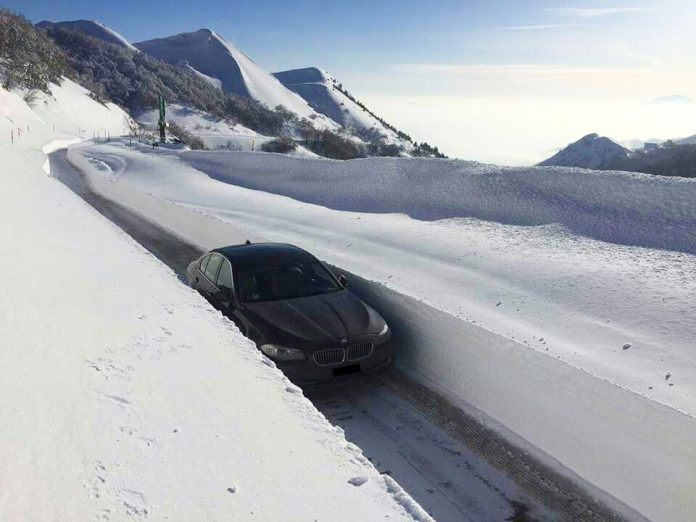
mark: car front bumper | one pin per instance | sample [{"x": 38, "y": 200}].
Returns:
[{"x": 308, "y": 372}]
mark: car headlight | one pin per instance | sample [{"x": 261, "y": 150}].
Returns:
[
  {"x": 282, "y": 353},
  {"x": 385, "y": 330}
]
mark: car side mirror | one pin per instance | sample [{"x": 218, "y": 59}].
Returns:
[{"x": 343, "y": 280}]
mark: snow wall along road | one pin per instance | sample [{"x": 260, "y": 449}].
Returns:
[{"x": 637, "y": 450}]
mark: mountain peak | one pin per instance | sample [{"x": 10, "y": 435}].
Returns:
[
  {"x": 210, "y": 54},
  {"x": 591, "y": 151},
  {"x": 91, "y": 28}
]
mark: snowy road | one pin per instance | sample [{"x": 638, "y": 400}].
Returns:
[{"x": 453, "y": 466}]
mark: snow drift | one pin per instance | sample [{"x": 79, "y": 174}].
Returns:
[{"x": 619, "y": 207}]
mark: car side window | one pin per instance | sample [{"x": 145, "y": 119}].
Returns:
[
  {"x": 204, "y": 262},
  {"x": 224, "y": 279},
  {"x": 211, "y": 268}
]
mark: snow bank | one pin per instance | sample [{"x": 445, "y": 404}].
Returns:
[
  {"x": 620, "y": 207},
  {"x": 125, "y": 395},
  {"x": 527, "y": 324}
]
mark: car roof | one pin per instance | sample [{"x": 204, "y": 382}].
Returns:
[{"x": 263, "y": 253}]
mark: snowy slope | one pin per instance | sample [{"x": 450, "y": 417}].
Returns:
[
  {"x": 212, "y": 55},
  {"x": 125, "y": 395},
  {"x": 92, "y": 28},
  {"x": 321, "y": 91},
  {"x": 215, "y": 133},
  {"x": 212, "y": 81},
  {"x": 532, "y": 301},
  {"x": 590, "y": 152}
]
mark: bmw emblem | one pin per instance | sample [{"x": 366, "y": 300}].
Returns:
[{"x": 344, "y": 341}]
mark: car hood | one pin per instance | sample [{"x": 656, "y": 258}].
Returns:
[{"x": 318, "y": 318}]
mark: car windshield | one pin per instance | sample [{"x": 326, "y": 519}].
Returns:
[{"x": 286, "y": 281}]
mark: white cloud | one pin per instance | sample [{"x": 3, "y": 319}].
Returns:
[
  {"x": 539, "y": 27},
  {"x": 515, "y": 70},
  {"x": 595, "y": 12}
]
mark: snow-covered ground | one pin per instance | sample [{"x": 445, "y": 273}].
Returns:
[
  {"x": 571, "y": 291},
  {"x": 124, "y": 394}
]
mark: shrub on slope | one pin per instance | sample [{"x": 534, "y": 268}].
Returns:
[
  {"x": 329, "y": 144},
  {"x": 27, "y": 57},
  {"x": 282, "y": 145},
  {"x": 188, "y": 139}
]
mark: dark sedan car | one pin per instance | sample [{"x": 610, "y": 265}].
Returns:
[{"x": 296, "y": 311}]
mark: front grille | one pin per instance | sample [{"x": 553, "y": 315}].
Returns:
[
  {"x": 330, "y": 356},
  {"x": 359, "y": 351}
]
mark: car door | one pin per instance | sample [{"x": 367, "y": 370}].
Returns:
[
  {"x": 197, "y": 273},
  {"x": 226, "y": 299},
  {"x": 206, "y": 283}
]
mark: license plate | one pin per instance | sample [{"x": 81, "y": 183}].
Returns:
[{"x": 346, "y": 370}]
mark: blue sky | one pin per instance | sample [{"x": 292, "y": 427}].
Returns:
[{"x": 464, "y": 60}]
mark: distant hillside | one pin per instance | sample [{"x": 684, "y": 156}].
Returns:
[
  {"x": 326, "y": 95},
  {"x": 28, "y": 59},
  {"x": 133, "y": 80},
  {"x": 196, "y": 72},
  {"x": 91, "y": 28},
  {"x": 600, "y": 153},
  {"x": 590, "y": 152}
]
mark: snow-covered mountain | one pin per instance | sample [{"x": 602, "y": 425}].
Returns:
[
  {"x": 590, "y": 152},
  {"x": 326, "y": 95},
  {"x": 92, "y": 28},
  {"x": 212, "y": 55}
]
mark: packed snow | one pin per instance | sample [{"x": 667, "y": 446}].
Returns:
[
  {"x": 92, "y": 28},
  {"x": 212, "y": 55},
  {"x": 125, "y": 395},
  {"x": 536, "y": 280}
]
